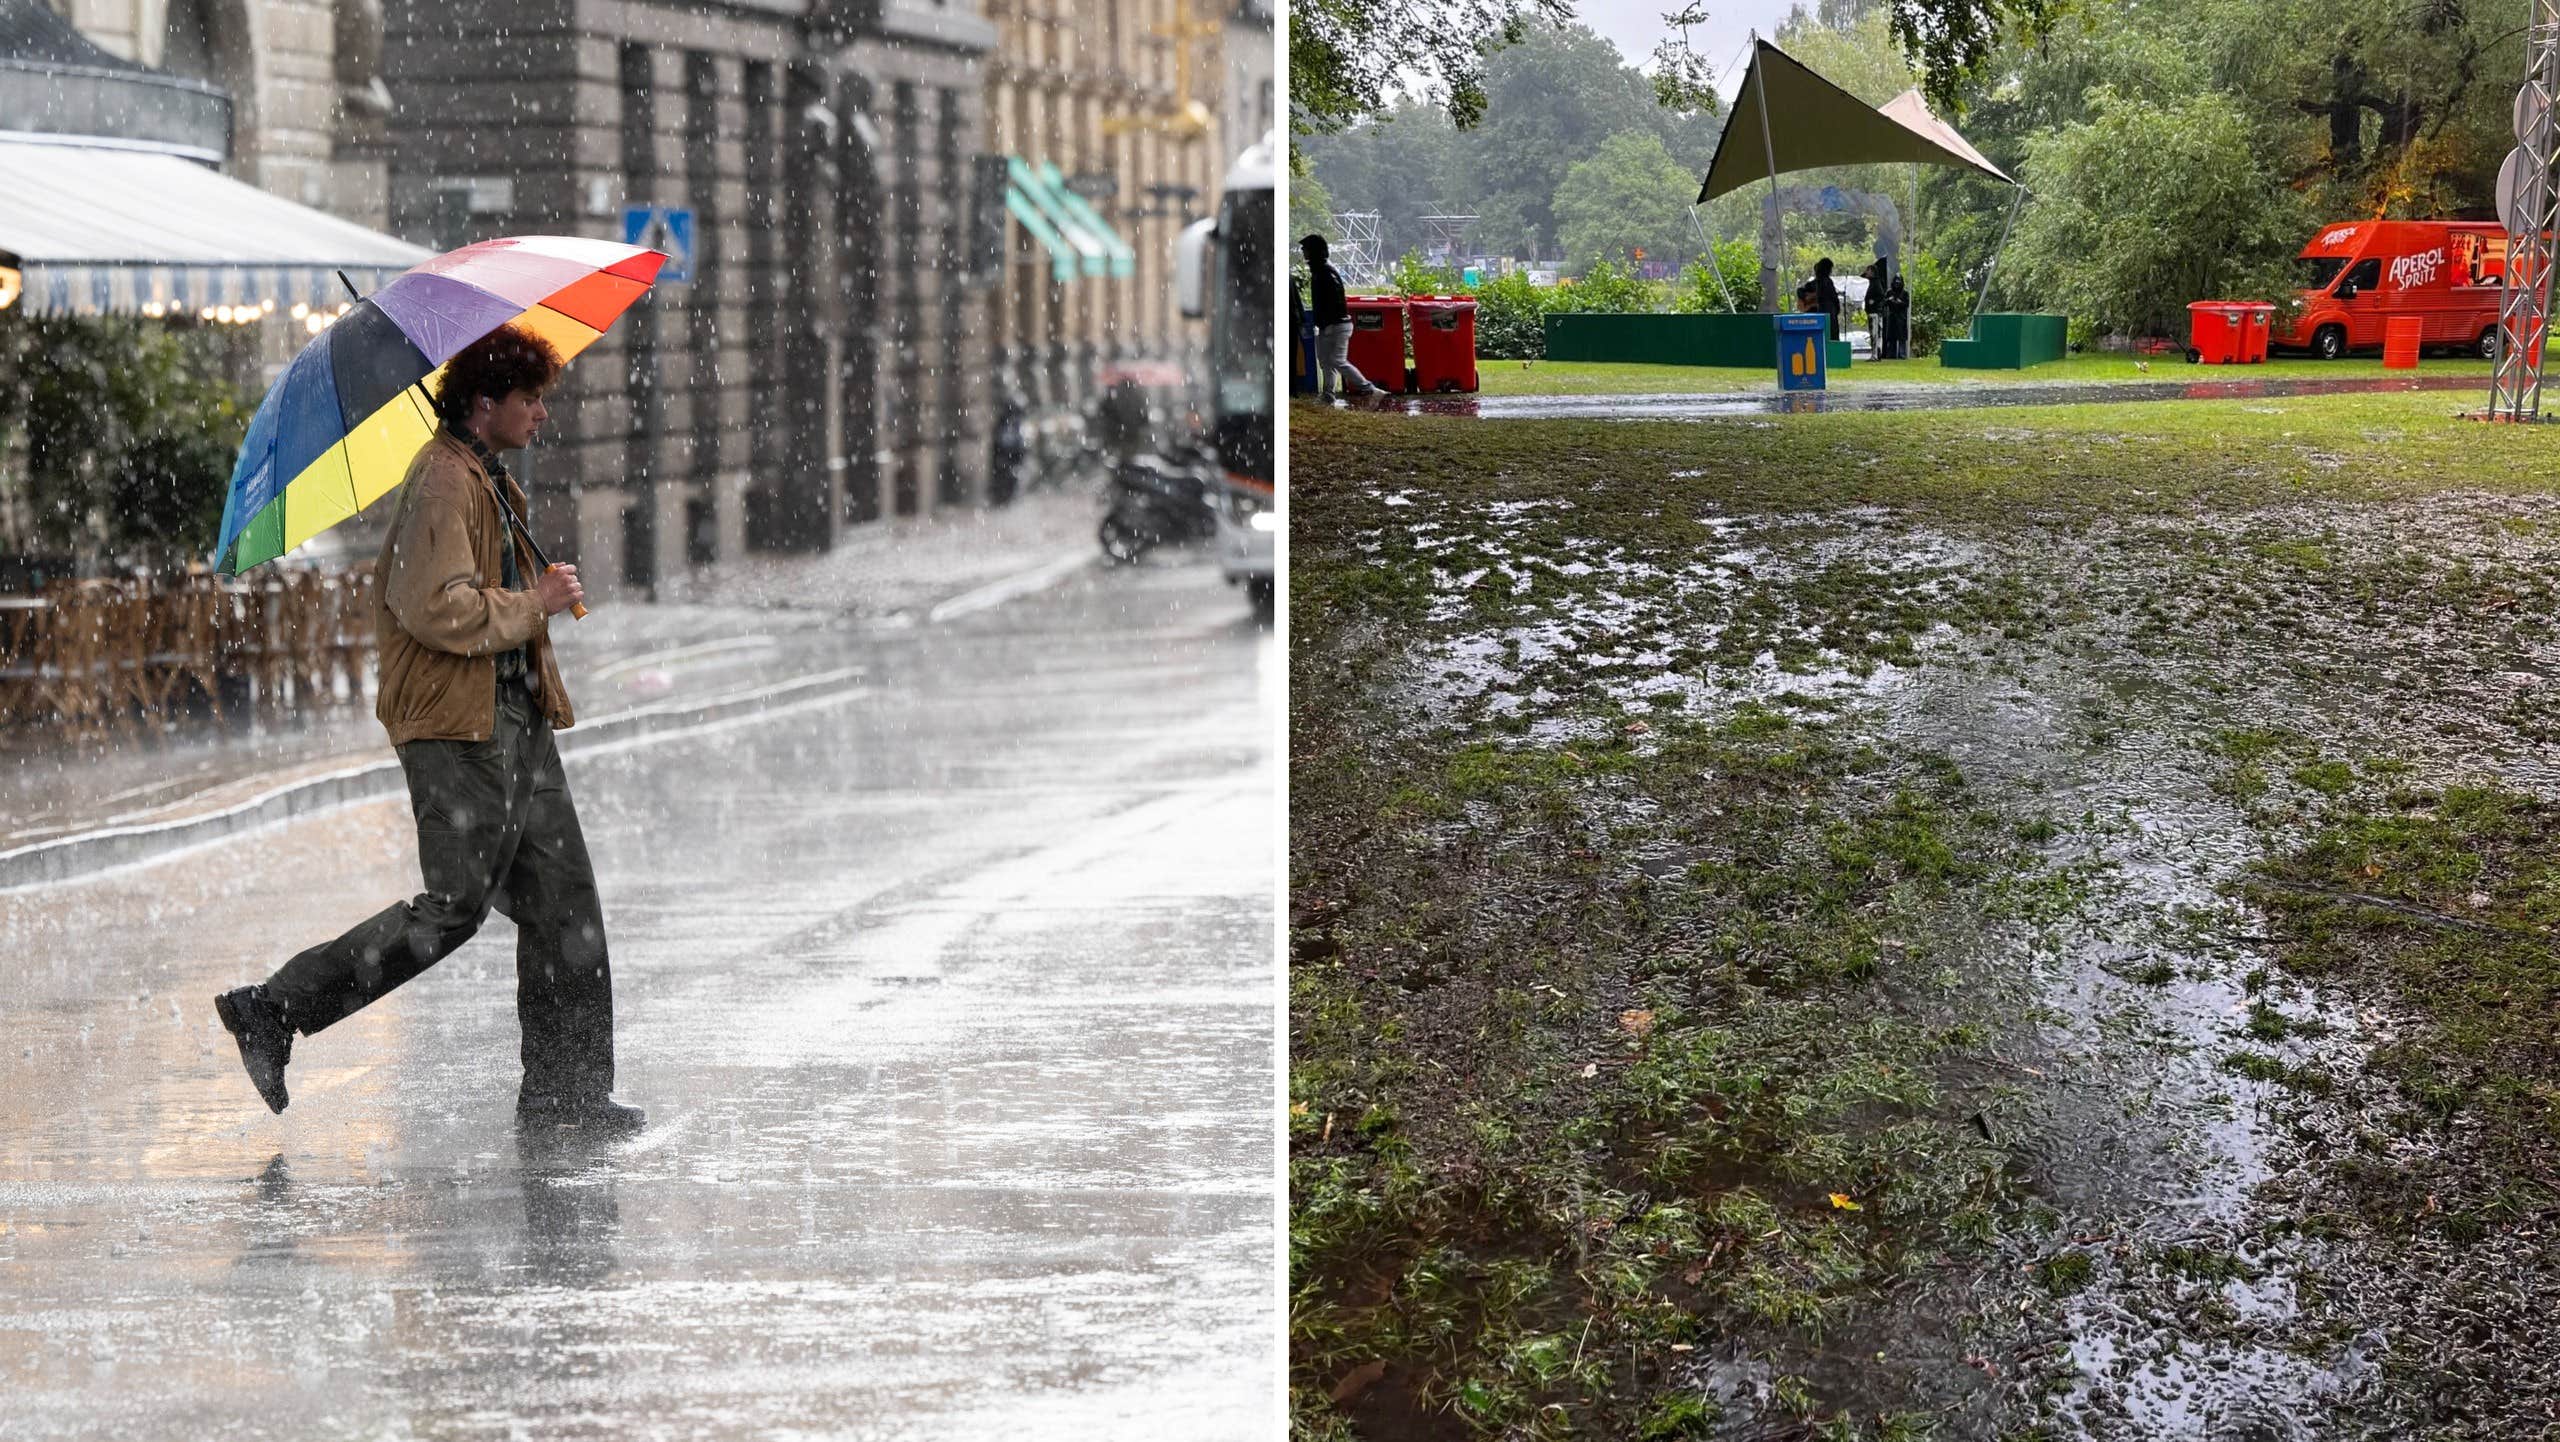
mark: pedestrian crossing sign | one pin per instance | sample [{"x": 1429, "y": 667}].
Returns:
[{"x": 667, "y": 228}]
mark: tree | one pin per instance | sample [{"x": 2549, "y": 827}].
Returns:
[
  {"x": 1629, "y": 196},
  {"x": 130, "y": 427},
  {"x": 1310, "y": 208},
  {"x": 2145, "y": 207},
  {"x": 1952, "y": 42},
  {"x": 1346, "y": 57},
  {"x": 1555, "y": 98}
]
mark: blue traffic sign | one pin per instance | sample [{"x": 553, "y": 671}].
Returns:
[{"x": 667, "y": 228}]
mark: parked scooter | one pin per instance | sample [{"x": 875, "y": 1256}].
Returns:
[{"x": 1157, "y": 501}]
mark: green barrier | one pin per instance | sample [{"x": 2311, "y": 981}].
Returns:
[
  {"x": 1749, "y": 341},
  {"x": 2007, "y": 342}
]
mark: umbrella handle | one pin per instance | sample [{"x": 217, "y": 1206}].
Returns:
[{"x": 576, "y": 608}]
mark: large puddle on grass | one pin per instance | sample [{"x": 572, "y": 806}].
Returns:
[
  {"x": 1521, "y": 627},
  {"x": 2140, "y": 1094},
  {"x": 1907, "y": 398}
]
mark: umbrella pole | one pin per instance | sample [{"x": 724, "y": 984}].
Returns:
[{"x": 417, "y": 393}]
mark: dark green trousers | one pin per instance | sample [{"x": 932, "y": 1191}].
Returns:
[{"x": 496, "y": 830}]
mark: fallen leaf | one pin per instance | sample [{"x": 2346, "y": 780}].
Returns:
[
  {"x": 1841, "y": 1201},
  {"x": 1358, "y": 1380},
  {"x": 1637, "y": 1023},
  {"x": 1637, "y": 728},
  {"x": 1297, "y": 1109},
  {"x": 1591, "y": 1069},
  {"x": 1328, "y": 1130}
]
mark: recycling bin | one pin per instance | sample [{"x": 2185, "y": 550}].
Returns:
[
  {"x": 1377, "y": 339},
  {"x": 2261, "y": 330},
  {"x": 2217, "y": 332},
  {"x": 1302, "y": 347},
  {"x": 1444, "y": 342},
  {"x": 1803, "y": 350},
  {"x": 2400, "y": 337}
]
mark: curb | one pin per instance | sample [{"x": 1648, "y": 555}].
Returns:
[{"x": 82, "y": 854}]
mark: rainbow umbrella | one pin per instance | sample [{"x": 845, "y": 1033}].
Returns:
[{"x": 340, "y": 426}]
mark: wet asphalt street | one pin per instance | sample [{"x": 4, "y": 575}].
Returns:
[{"x": 952, "y": 1003}]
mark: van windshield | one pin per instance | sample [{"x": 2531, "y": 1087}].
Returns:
[{"x": 2316, "y": 271}]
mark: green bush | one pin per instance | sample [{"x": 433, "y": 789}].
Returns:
[
  {"x": 127, "y": 429},
  {"x": 1697, "y": 290},
  {"x": 1605, "y": 289},
  {"x": 1412, "y": 275},
  {"x": 1511, "y": 318},
  {"x": 1941, "y": 306}
]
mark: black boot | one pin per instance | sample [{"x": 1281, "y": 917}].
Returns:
[
  {"x": 595, "y": 1114},
  {"x": 265, "y": 1037}
]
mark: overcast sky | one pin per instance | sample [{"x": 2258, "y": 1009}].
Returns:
[{"x": 1635, "y": 26}]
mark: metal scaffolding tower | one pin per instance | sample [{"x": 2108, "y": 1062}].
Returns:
[
  {"x": 2529, "y": 203},
  {"x": 1445, "y": 237},
  {"x": 1356, "y": 246}
]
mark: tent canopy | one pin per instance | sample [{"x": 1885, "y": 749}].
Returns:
[{"x": 1814, "y": 123}]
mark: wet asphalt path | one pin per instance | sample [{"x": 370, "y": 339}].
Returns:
[{"x": 952, "y": 1003}]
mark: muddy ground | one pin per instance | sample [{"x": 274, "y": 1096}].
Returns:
[{"x": 2003, "y": 925}]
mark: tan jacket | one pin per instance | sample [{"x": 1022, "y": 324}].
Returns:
[{"x": 443, "y": 618}]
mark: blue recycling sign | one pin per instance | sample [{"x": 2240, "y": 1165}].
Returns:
[{"x": 667, "y": 228}]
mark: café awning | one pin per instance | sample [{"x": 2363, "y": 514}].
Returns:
[
  {"x": 1071, "y": 246},
  {"x": 101, "y": 230},
  {"x": 1118, "y": 257},
  {"x": 1812, "y": 123}
]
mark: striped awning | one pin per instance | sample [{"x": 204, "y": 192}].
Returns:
[
  {"x": 1117, "y": 255},
  {"x": 1071, "y": 247},
  {"x": 109, "y": 231}
]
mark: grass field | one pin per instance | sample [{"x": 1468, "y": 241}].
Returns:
[
  {"x": 1945, "y": 924},
  {"x": 1510, "y": 378}
]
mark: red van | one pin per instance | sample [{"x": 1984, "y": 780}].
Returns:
[{"x": 2359, "y": 273}]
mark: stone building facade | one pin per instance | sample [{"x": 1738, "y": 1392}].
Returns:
[
  {"x": 305, "y": 80},
  {"x": 1128, "y": 99},
  {"x": 816, "y": 370}
]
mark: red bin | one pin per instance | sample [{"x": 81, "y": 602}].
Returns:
[
  {"x": 2400, "y": 337},
  {"x": 2217, "y": 332},
  {"x": 1377, "y": 339},
  {"x": 2261, "y": 321},
  {"x": 1444, "y": 342}
]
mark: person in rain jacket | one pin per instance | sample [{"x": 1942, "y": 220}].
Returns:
[
  {"x": 1332, "y": 319},
  {"x": 470, "y": 696}
]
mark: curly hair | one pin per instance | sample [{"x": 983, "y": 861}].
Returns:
[{"x": 497, "y": 365}]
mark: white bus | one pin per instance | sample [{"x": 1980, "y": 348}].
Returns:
[{"x": 1224, "y": 269}]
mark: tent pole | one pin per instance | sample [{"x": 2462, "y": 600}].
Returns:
[
  {"x": 1707, "y": 253},
  {"x": 1985, "y": 298},
  {"x": 1771, "y": 227}
]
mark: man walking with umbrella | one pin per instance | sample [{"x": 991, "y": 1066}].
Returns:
[{"x": 470, "y": 696}]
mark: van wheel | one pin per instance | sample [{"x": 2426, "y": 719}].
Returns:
[
  {"x": 2489, "y": 344},
  {"x": 2330, "y": 342}
]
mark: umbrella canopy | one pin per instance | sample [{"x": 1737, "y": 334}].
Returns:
[
  {"x": 1814, "y": 123},
  {"x": 340, "y": 426}
]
